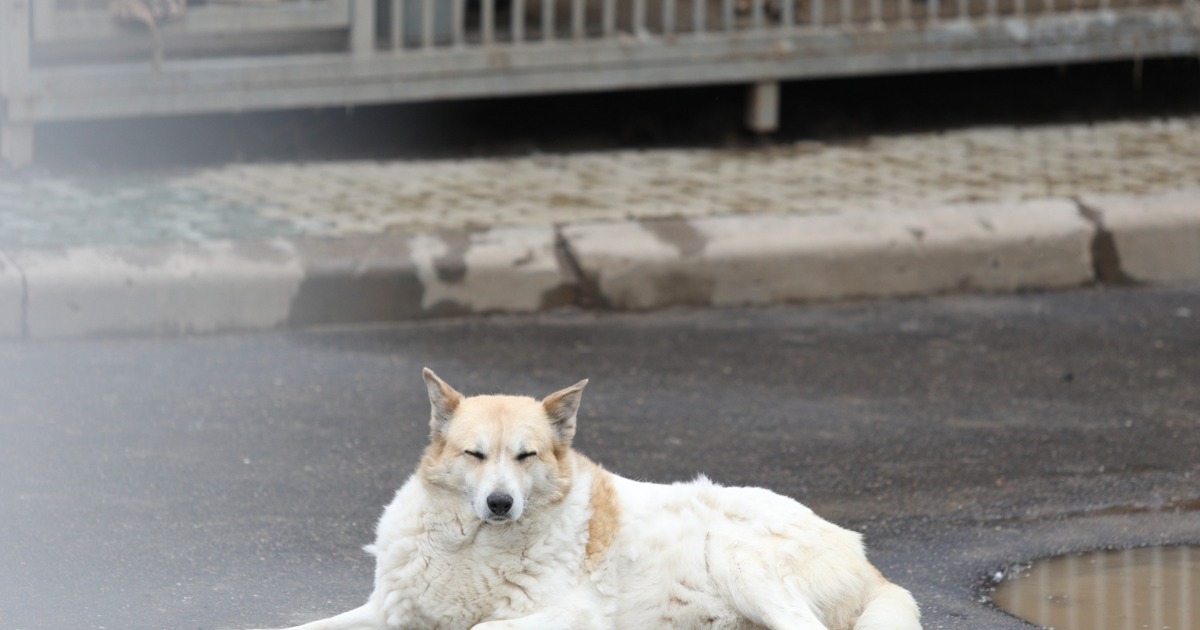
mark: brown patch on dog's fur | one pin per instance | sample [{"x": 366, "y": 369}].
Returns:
[
  {"x": 606, "y": 515},
  {"x": 564, "y": 478}
]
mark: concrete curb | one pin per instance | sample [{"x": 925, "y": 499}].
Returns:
[
  {"x": 725, "y": 261},
  {"x": 226, "y": 285},
  {"x": 1155, "y": 239},
  {"x": 156, "y": 290},
  {"x": 715, "y": 261}
]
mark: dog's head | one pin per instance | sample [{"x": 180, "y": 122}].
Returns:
[{"x": 506, "y": 454}]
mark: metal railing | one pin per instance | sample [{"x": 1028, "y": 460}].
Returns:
[{"x": 69, "y": 59}]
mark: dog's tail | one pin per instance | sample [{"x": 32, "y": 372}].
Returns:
[
  {"x": 890, "y": 608},
  {"x": 360, "y": 618}
]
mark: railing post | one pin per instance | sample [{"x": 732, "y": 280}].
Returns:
[
  {"x": 16, "y": 136},
  {"x": 762, "y": 108},
  {"x": 362, "y": 28}
]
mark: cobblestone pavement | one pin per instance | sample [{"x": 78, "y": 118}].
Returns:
[{"x": 251, "y": 201}]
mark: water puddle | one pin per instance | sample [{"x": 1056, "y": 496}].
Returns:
[{"x": 1154, "y": 588}]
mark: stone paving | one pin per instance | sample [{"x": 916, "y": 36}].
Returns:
[{"x": 260, "y": 201}]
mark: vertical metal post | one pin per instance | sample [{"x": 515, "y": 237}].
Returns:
[
  {"x": 847, "y": 11},
  {"x": 699, "y": 9},
  {"x": 788, "y": 15},
  {"x": 396, "y": 26},
  {"x": 762, "y": 108},
  {"x": 668, "y": 17},
  {"x": 427, "y": 24},
  {"x": 639, "y": 18},
  {"x": 16, "y": 137},
  {"x": 547, "y": 20},
  {"x": 577, "y": 19},
  {"x": 818, "y": 13},
  {"x": 934, "y": 8},
  {"x": 757, "y": 14},
  {"x": 517, "y": 21},
  {"x": 609, "y": 18},
  {"x": 488, "y": 17},
  {"x": 458, "y": 22},
  {"x": 727, "y": 22},
  {"x": 362, "y": 28}
]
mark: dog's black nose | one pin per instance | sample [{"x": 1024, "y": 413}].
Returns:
[{"x": 499, "y": 504}]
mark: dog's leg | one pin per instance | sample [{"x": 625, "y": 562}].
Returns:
[
  {"x": 767, "y": 605},
  {"x": 775, "y": 613},
  {"x": 744, "y": 577},
  {"x": 795, "y": 619},
  {"x": 550, "y": 619},
  {"x": 361, "y": 618}
]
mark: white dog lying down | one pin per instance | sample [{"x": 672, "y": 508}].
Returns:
[{"x": 504, "y": 526}]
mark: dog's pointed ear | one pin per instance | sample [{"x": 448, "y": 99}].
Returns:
[
  {"x": 443, "y": 400},
  {"x": 561, "y": 407}
]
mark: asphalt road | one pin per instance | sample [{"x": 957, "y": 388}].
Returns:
[{"x": 223, "y": 482}]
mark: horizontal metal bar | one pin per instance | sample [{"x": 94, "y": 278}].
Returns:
[
  {"x": 563, "y": 81},
  {"x": 230, "y": 85},
  {"x": 205, "y": 19}
]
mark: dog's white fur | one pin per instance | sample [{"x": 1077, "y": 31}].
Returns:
[{"x": 581, "y": 548}]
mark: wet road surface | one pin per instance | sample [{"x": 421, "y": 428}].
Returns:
[{"x": 230, "y": 481}]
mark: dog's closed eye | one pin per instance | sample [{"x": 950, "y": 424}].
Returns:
[
  {"x": 526, "y": 455},
  {"x": 476, "y": 455}
]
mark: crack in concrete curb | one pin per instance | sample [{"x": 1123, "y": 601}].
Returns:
[
  {"x": 587, "y": 289},
  {"x": 1106, "y": 260},
  {"x": 23, "y": 302}
]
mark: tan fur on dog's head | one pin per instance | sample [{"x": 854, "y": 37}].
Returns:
[{"x": 506, "y": 454}]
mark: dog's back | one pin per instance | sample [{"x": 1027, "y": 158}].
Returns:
[{"x": 701, "y": 555}]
